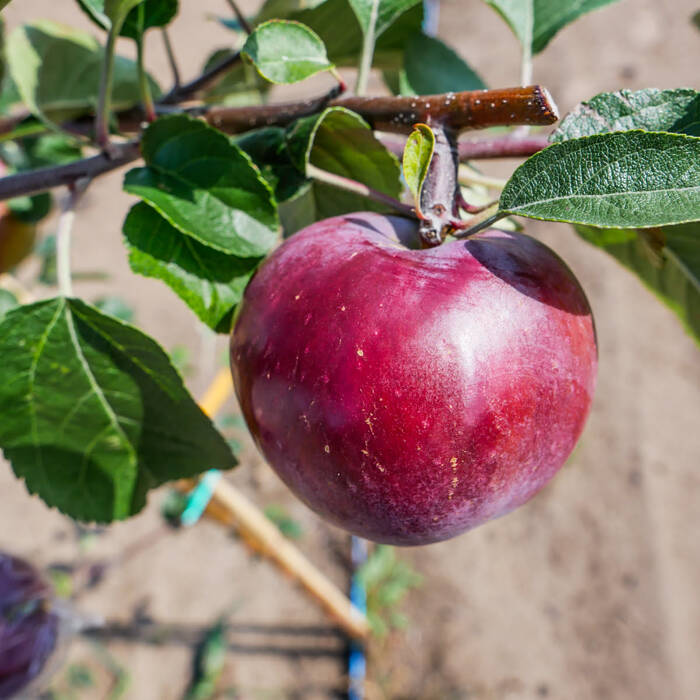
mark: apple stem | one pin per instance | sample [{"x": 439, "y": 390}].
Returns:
[
  {"x": 63, "y": 237},
  {"x": 486, "y": 218},
  {"x": 346, "y": 183}
]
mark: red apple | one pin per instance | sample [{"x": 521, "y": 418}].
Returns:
[
  {"x": 28, "y": 628},
  {"x": 16, "y": 237},
  {"x": 409, "y": 395}
]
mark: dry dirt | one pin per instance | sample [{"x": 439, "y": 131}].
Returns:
[{"x": 590, "y": 592}]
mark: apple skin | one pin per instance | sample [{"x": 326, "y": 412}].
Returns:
[
  {"x": 409, "y": 395},
  {"x": 16, "y": 237},
  {"x": 28, "y": 628}
]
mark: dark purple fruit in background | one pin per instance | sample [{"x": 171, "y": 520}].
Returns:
[
  {"x": 28, "y": 629},
  {"x": 409, "y": 395}
]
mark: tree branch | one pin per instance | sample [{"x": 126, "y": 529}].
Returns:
[
  {"x": 507, "y": 146},
  {"x": 456, "y": 111},
  {"x": 478, "y": 109},
  {"x": 35, "y": 181}
]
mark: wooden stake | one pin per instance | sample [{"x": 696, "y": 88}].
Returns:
[{"x": 230, "y": 507}]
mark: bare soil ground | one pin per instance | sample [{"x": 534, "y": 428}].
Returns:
[{"x": 590, "y": 592}]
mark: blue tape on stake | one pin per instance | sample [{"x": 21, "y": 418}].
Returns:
[
  {"x": 357, "y": 662},
  {"x": 198, "y": 499}
]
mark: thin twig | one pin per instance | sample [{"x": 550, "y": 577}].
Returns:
[
  {"x": 103, "y": 114},
  {"x": 63, "y": 237},
  {"x": 508, "y": 146},
  {"x": 367, "y": 55},
  {"x": 171, "y": 57},
  {"x": 503, "y": 147},
  {"x": 245, "y": 25},
  {"x": 345, "y": 183},
  {"x": 235, "y": 120},
  {"x": 144, "y": 87},
  {"x": 188, "y": 90}
]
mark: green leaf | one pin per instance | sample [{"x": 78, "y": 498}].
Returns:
[
  {"x": 209, "y": 282},
  {"x": 94, "y": 415},
  {"x": 32, "y": 209},
  {"x": 267, "y": 148},
  {"x": 535, "y": 22},
  {"x": 677, "y": 111},
  {"x": 95, "y": 10},
  {"x": 50, "y": 149},
  {"x": 379, "y": 14},
  {"x": 117, "y": 10},
  {"x": 286, "y": 52},
  {"x": 115, "y": 306},
  {"x": 57, "y": 71},
  {"x": 7, "y": 301},
  {"x": 431, "y": 67},
  {"x": 206, "y": 187},
  {"x": 417, "y": 155},
  {"x": 3, "y": 3},
  {"x": 241, "y": 85},
  {"x": 341, "y": 142},
  {"x": 337, "y": 25},
  {"x": 667, "y": 260},
  {"x": 285, "y": 523},
  {"x": 695, "y": 19},
  {"x": 282, "y": 9},
  {"x": 629, "y": 179},
  {"x": 157, "y": 13}
]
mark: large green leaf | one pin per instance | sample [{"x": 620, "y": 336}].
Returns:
[
  {"x": 628, "y": 179},
  {"x": 379, "y": 15},
  {"x": 651, "y": 110},
  {"x": 211, "y": 283},
  {"x": 205, "y": 186},
  {"x": 57, "y": 71},
  {"x": 535, "y": 22},
  {"x": 286, "y": 51},
  {"x": 431, "y": 67},
  {"x": 341, "y": 142},
  {"x": 94, "y": 414},
  {"x": 156, "y": 13},
  {"x": 666, "y": 259}
]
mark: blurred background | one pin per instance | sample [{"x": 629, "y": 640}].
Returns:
[{"x": 588, "y": 592}]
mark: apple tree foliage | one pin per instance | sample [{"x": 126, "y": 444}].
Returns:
[{"x": 94, "y": 414}]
